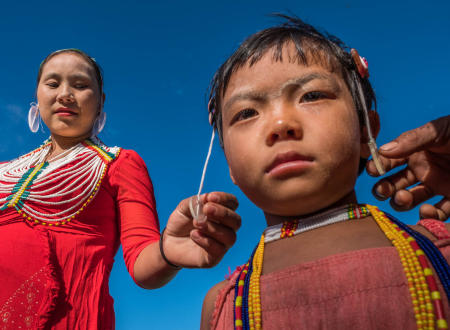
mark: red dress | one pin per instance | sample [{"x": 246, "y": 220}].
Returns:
[{"x": 56, "y": 276}]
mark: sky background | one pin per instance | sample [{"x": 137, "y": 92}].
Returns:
[{"x": 158, "y": 59}]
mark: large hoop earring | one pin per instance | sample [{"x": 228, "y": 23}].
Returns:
[
  {"x": 34, "y": 118},
  {"x": 99, "y": 123}
]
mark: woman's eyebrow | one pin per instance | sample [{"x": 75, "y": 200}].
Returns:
[{"x": 51, "y": 75}]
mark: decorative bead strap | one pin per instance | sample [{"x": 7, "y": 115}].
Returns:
[
  {"x": 428, "y": 307},
  {"x": 435, "y": 256}
]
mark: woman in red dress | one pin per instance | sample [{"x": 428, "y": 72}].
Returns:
[{"x": 67, "y": 206}]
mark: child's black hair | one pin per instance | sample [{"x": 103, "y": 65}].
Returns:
[{"x": 312, "y": 46}]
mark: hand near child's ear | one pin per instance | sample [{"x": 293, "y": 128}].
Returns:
[
  {"x": 426, "y": 153},
  {"x": 192, "y": 244}
]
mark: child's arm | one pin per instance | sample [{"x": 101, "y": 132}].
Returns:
[
  {"x": 209, "y": 305},
  {"x": 426, "y": 151}
]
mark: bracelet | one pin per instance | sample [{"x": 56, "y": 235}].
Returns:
[{"x": 162, "y": 252}]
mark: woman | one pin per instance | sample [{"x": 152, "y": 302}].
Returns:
[{"x": 66, "y": 206}]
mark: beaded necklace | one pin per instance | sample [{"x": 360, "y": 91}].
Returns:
[
  {"x": 54, "y": 193},
  {"x": 426, "y": 299}
]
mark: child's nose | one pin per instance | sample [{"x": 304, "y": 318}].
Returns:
[{"x": 284, "y": 127}]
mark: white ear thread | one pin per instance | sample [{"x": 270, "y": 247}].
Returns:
[
  {"x": 33, "y": 117},
  {"x": 99, "y": 123},
  {"x": 372, "y": 144},
  {"x": 195, "y": 203}
]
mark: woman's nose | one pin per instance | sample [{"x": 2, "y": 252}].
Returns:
[
  {"x": 66, "y": 95},
  {"x": 285, "y": 125}
]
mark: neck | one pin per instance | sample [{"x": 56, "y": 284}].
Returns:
[
  {"x": 274, "y": 219},
  {"x": 62, "y": 143}
]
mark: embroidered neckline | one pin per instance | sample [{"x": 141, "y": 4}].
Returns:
[{"x": 291, "y": 228}]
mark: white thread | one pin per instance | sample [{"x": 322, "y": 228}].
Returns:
[{"x": 206, "y": 164}]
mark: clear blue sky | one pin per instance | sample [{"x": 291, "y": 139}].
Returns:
[{"x": 158, "y": 59}]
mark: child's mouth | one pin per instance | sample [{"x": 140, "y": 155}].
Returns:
[{"x": 288, "y": 163}]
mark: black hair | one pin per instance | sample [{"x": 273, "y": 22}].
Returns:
[
  {"x": 312, "y": 46},
  {"x": 97, "y": 69}
]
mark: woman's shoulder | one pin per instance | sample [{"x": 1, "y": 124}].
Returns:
[{"x": 128, "y": 160}]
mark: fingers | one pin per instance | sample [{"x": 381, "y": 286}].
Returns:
[
  {"x": 223, "y": 198},
  {"x": 440, "y": 210},
  {"x": 410, "y": 142},
  {"x": 429, "y": 136},
  {"x": 220, "y": 214},
  {"x": 388, "y": 165},
  {"x": 404, "y": 200},
  {"x": 217, "y": 232},
  {"x": 214, "y": 249},
  {"x": 388, "y": 186}
]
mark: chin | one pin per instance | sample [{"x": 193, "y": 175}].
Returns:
[{"x": 301, "y": 203}]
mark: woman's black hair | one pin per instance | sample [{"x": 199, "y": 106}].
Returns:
[{"x": 312, "y": 47}]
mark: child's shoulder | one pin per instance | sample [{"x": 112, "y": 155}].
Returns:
[{"x": 209, "y": 303}]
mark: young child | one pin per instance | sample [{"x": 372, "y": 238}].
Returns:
[{"x": 290, "y": 106}]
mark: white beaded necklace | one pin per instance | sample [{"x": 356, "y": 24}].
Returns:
[
  {"x": 291, "y": 228},
  {"x": 52, "y": 193}
]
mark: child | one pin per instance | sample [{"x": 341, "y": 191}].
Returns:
[{"x": 290, "y": 106}]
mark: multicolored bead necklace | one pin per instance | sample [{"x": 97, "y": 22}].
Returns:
[
  {"x": 426, "y": 299},
  {"x": 53, "y": 193}
]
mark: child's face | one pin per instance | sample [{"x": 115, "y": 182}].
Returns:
[{"x": 291, "y": 135}]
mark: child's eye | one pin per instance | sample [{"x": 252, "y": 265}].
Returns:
[
  {"x": 313, "y": 96},
  {"x": 81, "y": 86},
  {"x": 244, "y": 114}
]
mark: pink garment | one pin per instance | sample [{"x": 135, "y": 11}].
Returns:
[
  {"x": 57, "y": 277},
  {"x": 364, "y": 289}
]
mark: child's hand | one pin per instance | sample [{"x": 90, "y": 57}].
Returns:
[
  {"x": 426, "y": 152},
  {"x": 190, "y": 243}
]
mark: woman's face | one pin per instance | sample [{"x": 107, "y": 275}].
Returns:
[{"x": 69, "y": 96}]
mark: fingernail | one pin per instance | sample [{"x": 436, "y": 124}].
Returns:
[
  {"x": 213, "y": 198},
  {"x": 210, "y": 209},
  {"x": 378, "y": 195},
  {"x": 396, "y": 205},
  {"x": 389, "y": 146}
]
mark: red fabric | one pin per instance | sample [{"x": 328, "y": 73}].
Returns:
[
  {"x": 69, "y": 265},
  {"x": 365, "y": 289}
]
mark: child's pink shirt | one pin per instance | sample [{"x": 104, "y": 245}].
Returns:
[{"x": 364, "y": 289}]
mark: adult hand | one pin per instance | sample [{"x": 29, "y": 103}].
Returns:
[
  {"x": 426, "y": 153},
  {"x": 190, "y": 243}
]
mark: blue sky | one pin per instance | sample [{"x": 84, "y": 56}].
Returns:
[{"x": 158, "y": 59}]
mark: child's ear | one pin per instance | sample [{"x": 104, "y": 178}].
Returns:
[
  {"x": 231, "y": 175},
  {"x": 374, "y": 120}
]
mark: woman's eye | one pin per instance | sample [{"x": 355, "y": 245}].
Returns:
[
  {"x": 313, "y": 96},
  {"x": 244, "y": 114},
  {"x": 52, "y": 84}
]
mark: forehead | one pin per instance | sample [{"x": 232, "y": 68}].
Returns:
[
  {"x": 270, "y": 74},
  {"x": 67, "y": 63}
]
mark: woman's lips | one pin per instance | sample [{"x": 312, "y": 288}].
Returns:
[
  {"x": 65, "y": 112},
  {"x": 289, "y": 163}
]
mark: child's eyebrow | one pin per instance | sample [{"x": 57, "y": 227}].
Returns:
[{"x": 298, "y": 82}]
